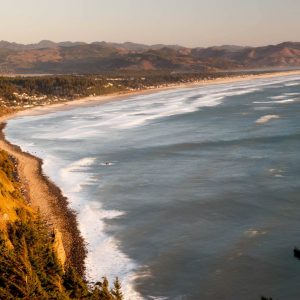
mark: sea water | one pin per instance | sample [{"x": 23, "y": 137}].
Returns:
[{"x": 190, "y": 193}]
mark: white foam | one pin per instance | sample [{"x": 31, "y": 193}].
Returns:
[
  {"x": 104, "y": 257},
  {"x": 73, "y": 176},
  {"x": 275, "y": 102},
  {"x": 292, "y": 94},
  {"x": 78, "y": 165},
  {"x": 280, "y": 97},
  {"x": 276, "y": 173},
  {"x": 251, "y": 233},
  {"x": 286, "y": 101},
  {"x": 292, "y": 84},
  {"x": 142, "y": 109},
  {"x": 263, "y": 102},
  {"x": 266, "y": 119},
  {"x": 262, "y": 108}
]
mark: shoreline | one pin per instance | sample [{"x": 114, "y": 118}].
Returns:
[
  {"x": 118, "y": 96},
  {"x": 46, "y": 196}
]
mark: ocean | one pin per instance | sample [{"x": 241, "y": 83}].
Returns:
[{"x": 190, "y": 193}]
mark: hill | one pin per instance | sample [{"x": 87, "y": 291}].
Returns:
[{"x": 98, "y": 57}]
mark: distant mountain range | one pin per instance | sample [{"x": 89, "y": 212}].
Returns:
[{"x": 79, "y": 57}]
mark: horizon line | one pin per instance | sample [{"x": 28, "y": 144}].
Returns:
[{"x": 149, "y": 45}]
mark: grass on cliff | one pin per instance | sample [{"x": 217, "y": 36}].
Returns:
[{"x": 29, "y": 267}]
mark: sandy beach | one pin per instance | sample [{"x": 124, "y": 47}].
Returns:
[{"x": 46, "y": 197}]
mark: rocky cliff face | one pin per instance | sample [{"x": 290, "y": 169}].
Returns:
[{"x": 58, "y": 247}]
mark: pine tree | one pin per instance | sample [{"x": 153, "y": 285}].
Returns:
[
  {"x": 105, "y": 293},
  {"x": 116, "y": 291},
  {"x": 74, "y": 284},
  {"x": 96, "y": 293}
]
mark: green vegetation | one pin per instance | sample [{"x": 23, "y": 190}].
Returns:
[{"x": 29, "y": 267}]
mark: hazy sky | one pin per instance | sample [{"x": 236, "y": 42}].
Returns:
[{"x": 185, "y": 22}]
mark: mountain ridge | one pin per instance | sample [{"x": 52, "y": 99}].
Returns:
[{"x": 96, "y": 57}]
